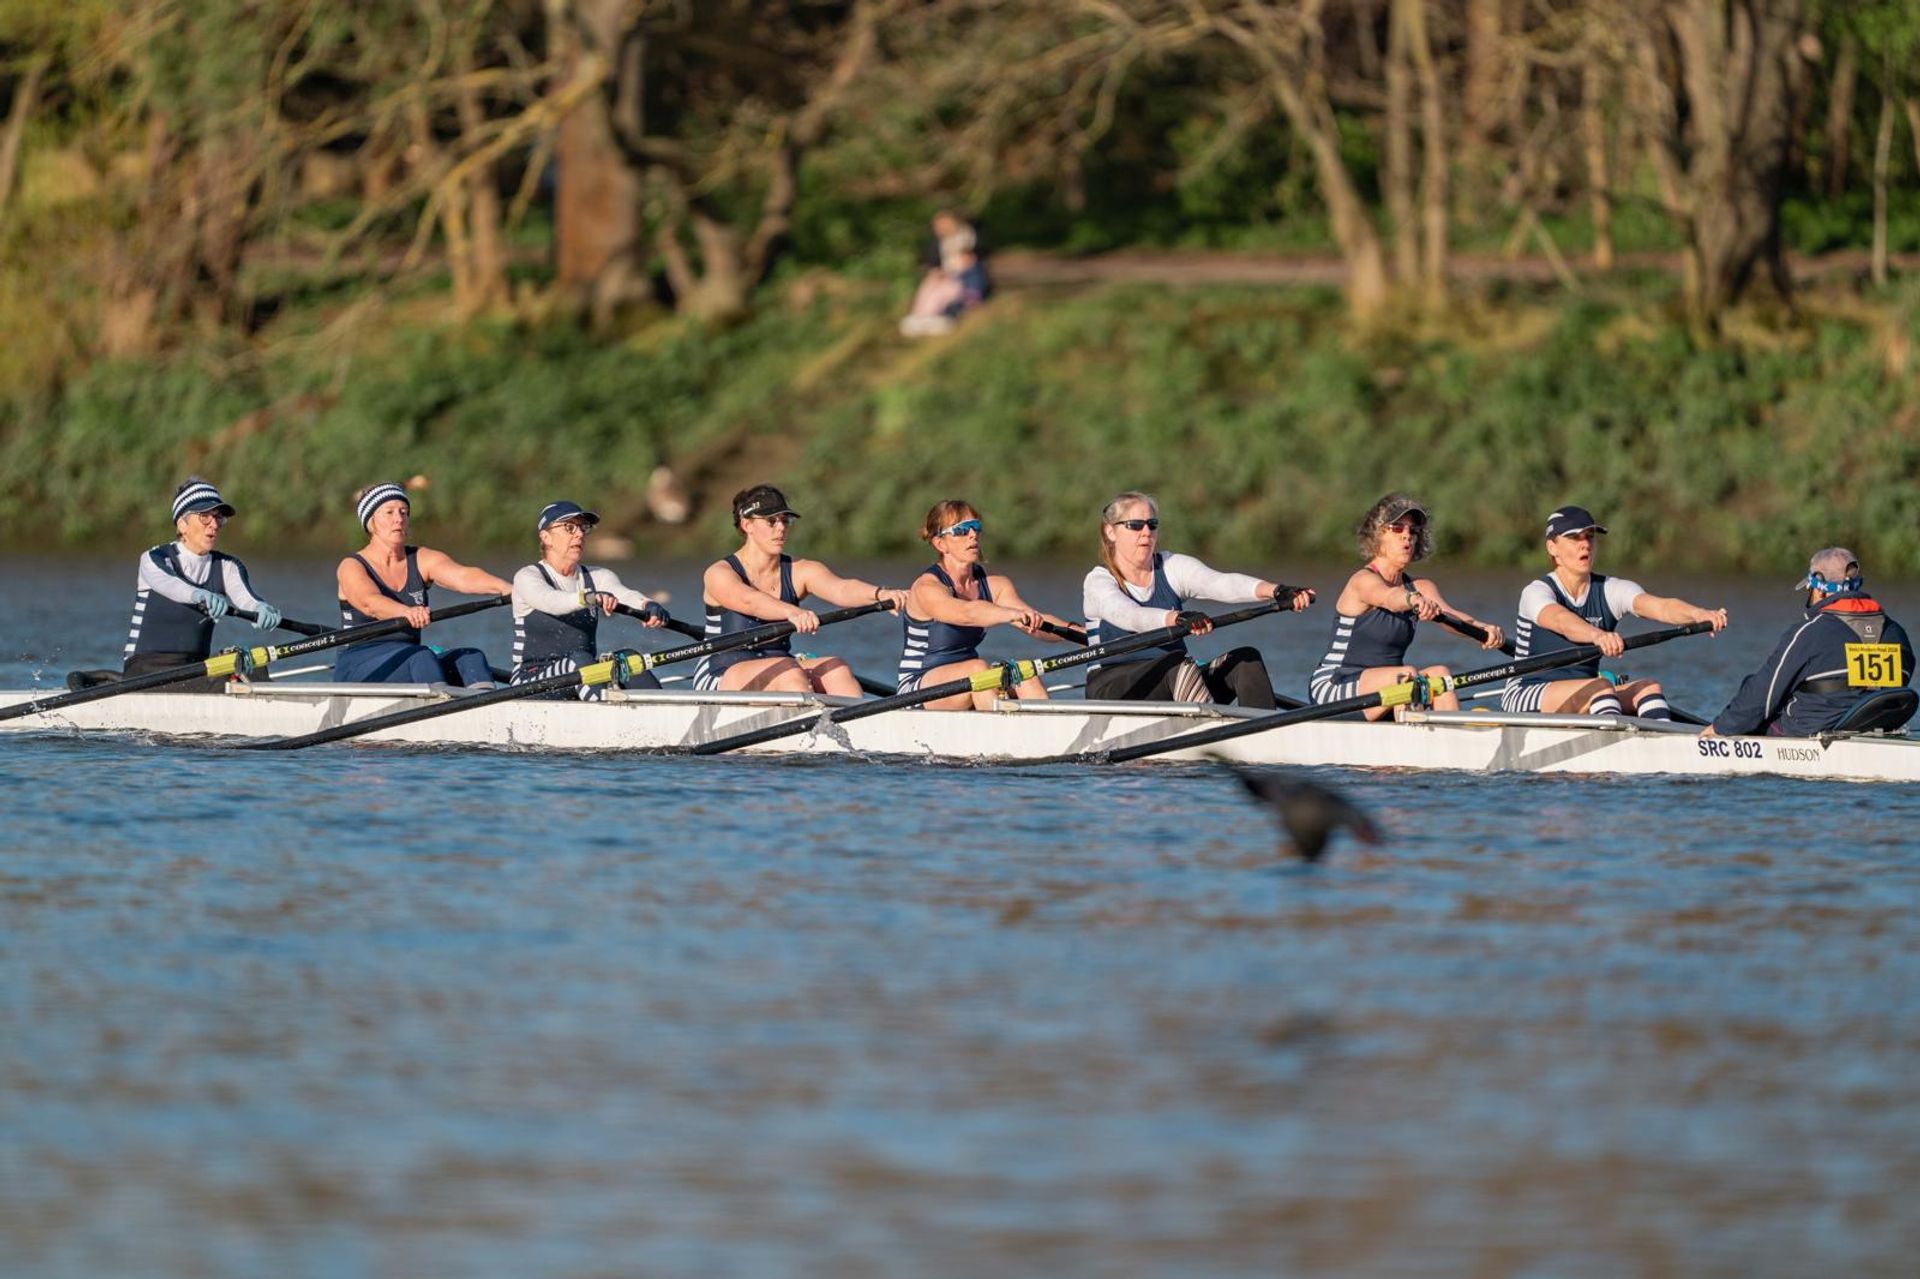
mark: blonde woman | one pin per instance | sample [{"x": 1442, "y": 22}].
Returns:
[{"x": 1139, "y": 588}]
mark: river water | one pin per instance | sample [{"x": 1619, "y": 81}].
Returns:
[{"x": 369, "y": 1011}]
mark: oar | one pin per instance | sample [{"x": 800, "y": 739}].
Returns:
[
  {"x": 284, "y": 624},
  {"x": 1461, "y": 626},
  {"x": 872, "y": 687},
  {"x": 600, "y": 672},
  {"x": 225, "y": 664},
  {"x": 1392, "y": 695},
  {"x": 1003, "y": 673}
]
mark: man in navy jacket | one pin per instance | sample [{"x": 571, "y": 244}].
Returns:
[{"x": 1846, "y": 649}]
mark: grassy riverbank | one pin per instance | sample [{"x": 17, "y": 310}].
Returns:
[{"x": 1251, "y": 412}]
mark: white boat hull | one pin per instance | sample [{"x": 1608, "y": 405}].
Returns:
[{"x": 1018, "y": 731}]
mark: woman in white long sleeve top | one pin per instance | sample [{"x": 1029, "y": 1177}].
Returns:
[
  {"x": 1137, "y": 588},
  {"x": 558, "y": 603}
]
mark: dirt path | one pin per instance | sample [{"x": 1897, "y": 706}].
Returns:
[{"x": 1021, "y": 268}]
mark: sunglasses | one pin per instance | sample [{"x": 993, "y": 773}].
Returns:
[
  {"x": 961, "y": 529},
  {"x": 1134, "y": 526},
  {"x": 783, "y": 519},
  {"x": 1403, "y": 526}
]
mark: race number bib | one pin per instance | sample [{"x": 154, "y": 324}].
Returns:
[{"x": 1873, "y": 666}]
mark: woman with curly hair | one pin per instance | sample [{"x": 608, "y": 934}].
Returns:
[{"x": 1381, "y": 604}]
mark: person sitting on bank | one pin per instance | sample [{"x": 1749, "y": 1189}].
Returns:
[
  {"x": 558, "y": 602},
  {"x": 1844, "y": 649},
  {"x": 953, "y": 277},
  {"x": 182, "y": 588},
  {"x": 390, "y": 578}
]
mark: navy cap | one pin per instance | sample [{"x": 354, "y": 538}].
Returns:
[
  {"x": 1571, "y": 519},
  {"x": 198, "y": 495},
  {"x": 560, "y": 512}
]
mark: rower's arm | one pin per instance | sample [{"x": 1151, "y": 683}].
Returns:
[
  {"x": 607, "y": 582},
  {"x": 1193, "y": 579},
  {"x": 811, "y": 577},
  {"x": 1676, "y": 612},
  {"x": 1568, "y": 624},
  {"x": 1103, "y": 599},
  {"x": 356, "y": 587},
  {"x": 531, "y": 594},
  {"x": 929, "y": 599},
  {"x": 1495, "y": 636},
  {"x": 1026, "y": 617},
  {"x": 726, "y": 589},
  {"x": 1369, "y": 590},
  {"x": 238, "y": 586},
  {"x": 156, "y": 579},
  {"x": 437, "y": 568}
]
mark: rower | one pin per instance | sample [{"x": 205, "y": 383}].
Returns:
[
  {"x": 1573, "y": 605},
  {"x": 558, "y": 603},
  {"x": 761, "y": 583},
  {"x": 388, "y": 578},
  {"x": 1137, "y": 588},
  {"x": 181, "y": 589},
  {"x": 1381, "y": 605},
  {"x": 950, "y": 606},
  {"x": 1826, "y": 665}
]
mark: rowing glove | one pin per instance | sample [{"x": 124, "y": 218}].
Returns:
[
  {"x": 266, "y": 618},
  {"x": 212, "y": 603},
  {"x": 654, "y": 612}
]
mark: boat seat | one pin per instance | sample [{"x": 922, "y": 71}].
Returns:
[{"x": 1882, "y": 712}]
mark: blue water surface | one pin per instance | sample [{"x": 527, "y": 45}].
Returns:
[{"x": 369, "y": 1010}]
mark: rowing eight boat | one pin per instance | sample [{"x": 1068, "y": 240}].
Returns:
[{"x": 1015, "y": 732}]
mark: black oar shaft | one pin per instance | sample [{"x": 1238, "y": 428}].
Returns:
[
  {"x": 980, "y": 682},
  {"x": 1461, "y": 626},
  {"x": 1394, "y": 695},
  {"x": 293, "y": 624},
  {"x": 600, "y": 672}
]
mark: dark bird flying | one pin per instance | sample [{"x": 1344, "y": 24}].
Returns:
[{"x": 1310, "y": 812}]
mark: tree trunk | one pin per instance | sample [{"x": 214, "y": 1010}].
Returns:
[
  {"x": 1486, "y": 68},
  {"x": 1397, "y": 168},
  {"x": 1593, "y": 127},
  {"x": 1298, "y": 83},
  {"x": 597, "y": 198},
  {"x": 1716, "y": 82},
  {"x": 485, "y": 251},
  {"x": 1882, "y": 160},
  {"x": 25, "y": 96},
  {"x": 1846, "y": 73},
  {"x": 1436, "y": 160}
]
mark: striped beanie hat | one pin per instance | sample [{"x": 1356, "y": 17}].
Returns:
[
  {"x": 378, "y": 496},
  {"x": 198, "y": 495}
]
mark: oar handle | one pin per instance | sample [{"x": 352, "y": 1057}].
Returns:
[
  {"x": 1461, "y": 626},
  {"x": 1071, "y": 633},
  {"x": 1393, "y": 695},
  {"x": 293, "y": 624}
]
